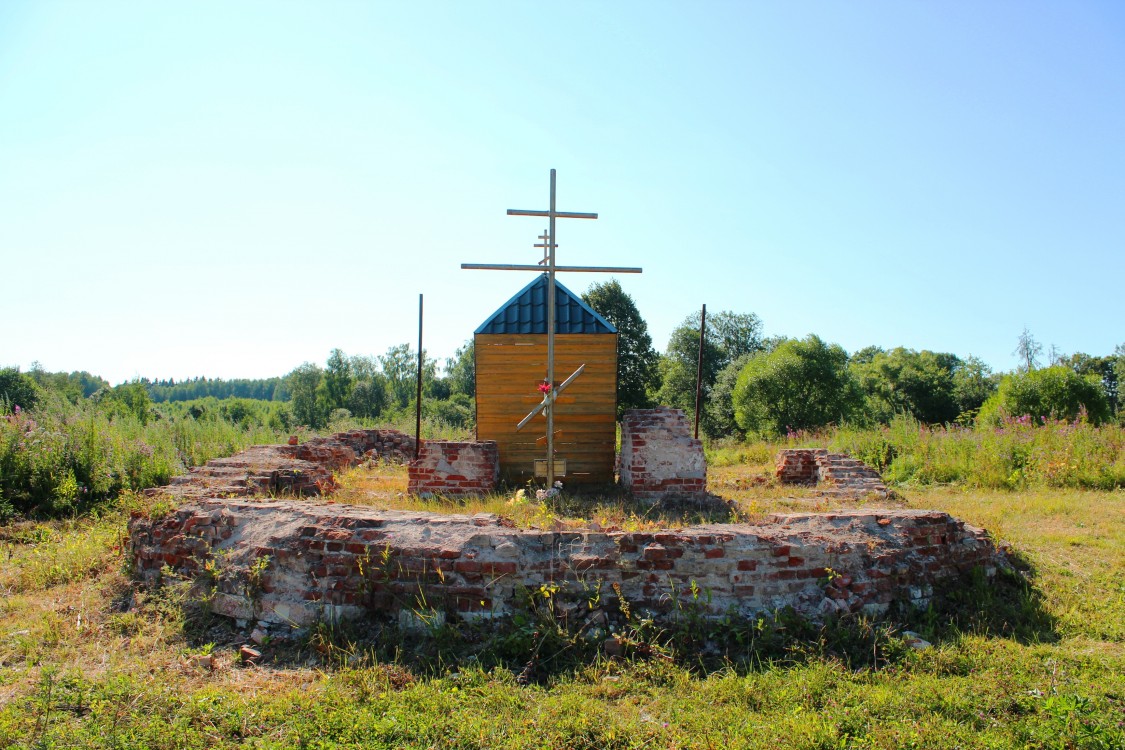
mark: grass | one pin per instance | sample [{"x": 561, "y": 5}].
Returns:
[
  {"x": 384, "y": 486},
  {"x": 1017, "y": 456},
  {"x": 87, "y": 661},
  {"x": 63, "y": 459}
]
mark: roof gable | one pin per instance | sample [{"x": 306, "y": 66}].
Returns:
[{"x": 527, "y": 312}]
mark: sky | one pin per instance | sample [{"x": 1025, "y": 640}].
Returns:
[{"x": 231, "y": 189}]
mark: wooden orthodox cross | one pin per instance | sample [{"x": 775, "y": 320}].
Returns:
[{"x": 548, "y": 264}]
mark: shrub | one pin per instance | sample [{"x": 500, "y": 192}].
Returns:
[
  {"x": 16, "y": 389},
  {"x": 1053, "y": 393},
  {"x": 799, "y": 385}
]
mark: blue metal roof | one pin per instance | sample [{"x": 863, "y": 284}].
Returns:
[{"x": 527, "y": 312}]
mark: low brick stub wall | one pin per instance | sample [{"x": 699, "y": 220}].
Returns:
[
  {"x": 327, "y": 561},
  {"x": 800, "y": 465},
  {"x": 835, "y": 473},
  {"x": 659, "y": 457},
  {"x": 454, "y": 469}
]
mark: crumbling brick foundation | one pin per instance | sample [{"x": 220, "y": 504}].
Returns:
[
  {"x": 454, "y": 469},
  {"x": 315, "y": 561},
  {"x": 659, "y": 457}
]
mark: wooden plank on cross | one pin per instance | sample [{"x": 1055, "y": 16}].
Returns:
[{"x": 549, "y": 400}]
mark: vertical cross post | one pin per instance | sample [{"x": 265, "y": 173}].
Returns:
[{"x": 551, "y": 337}]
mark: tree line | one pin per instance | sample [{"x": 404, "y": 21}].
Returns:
[{"x": 752, "y": 384}]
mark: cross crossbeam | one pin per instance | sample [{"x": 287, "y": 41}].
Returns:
[{"x": 540, "y": 268}]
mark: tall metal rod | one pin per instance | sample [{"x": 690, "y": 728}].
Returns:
[
  {"x": 551, "y": 338},
  {"x": 418, "y": 398},
  {"x": 699, "y": 369}
]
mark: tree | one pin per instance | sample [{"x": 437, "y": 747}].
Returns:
[
  {"x": 729, "y": 336},
  {"x": 904, "y": 381},
  {"x": 1119, "y": 369},
  {"x": 461, "y": 369},
  {"x": 400, "y": 368},
  {"x": 973, "y": 383},
  {"x": 1103, "y": 368},
  {"x": 801, "y": 384},
  {"x": 16, "y": 389},
  {"x": 720, "y": 419},
  {"x": 304, "y": 384},
  {"x": 338, "y": 380},
  {"x": 368, "y": 397},
  {"x": 636, "y": 359},
  {"x": 1050, "y": 393},
  {"x": 1028, "y": 349},
  {"x": 134, "y": 399}
]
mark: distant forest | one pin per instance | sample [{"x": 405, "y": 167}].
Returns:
[{"x": 266, "y": 389}]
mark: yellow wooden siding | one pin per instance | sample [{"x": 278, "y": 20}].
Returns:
[{"x": 509, "y": 367}]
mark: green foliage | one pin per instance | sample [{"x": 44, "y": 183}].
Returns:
[
  {"x": 17, "y": 389},
  {"x": 75, "y": 385},
  {"x": 799, "y": 385},
  {"x": 1016, "y": 456},
  {"x": 729, "y": 336},
  {"x": 1053, "y": 393},
  {"x": 720, "y": 419},
  {"x": 904, "y": 381},
  {"x": 385, "y": 388},
  {"x": 1104, "y": 369},
  {"x": 260, "y": 389},
  {"x": 304, "y": 384},
  {"x": 400, "y": 368},
  {"x": 461, "y": 370},
  {"x": 1119, "y": 370},
  {"x": 636, "y": 359},
  {"x": 63, "y": 457},
  {"x": 338, "y": 380},
  {"x": 368, "y": 398},
  {"x": 459, "y": 410},
  {"x": 973, "y": 383},
  {"x": 128, "y": 398}
]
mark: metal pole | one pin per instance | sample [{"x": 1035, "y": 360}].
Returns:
[
  {"x": 699, "y": 369},
  {"x": 418, "y": 398},
  {"x": 551, "y": 340}
]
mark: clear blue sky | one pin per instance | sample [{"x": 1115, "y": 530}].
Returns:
[{"x": 230, "y": 189}]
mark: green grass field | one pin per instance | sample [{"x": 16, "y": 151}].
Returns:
[{"x": 85, "y": 661}]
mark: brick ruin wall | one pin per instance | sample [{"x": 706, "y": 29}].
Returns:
[
  {"x": 454, "y": 469},
  {"x": 303, "y": 469},
  {"x": 320, "y": 562},
  {"x": 833, "y": 473},
  {"x": 659, "y": 457}
]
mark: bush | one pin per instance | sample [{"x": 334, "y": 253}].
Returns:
[
  {"x": 1053, "y": 393},
  {"x": 799, "y": 385},
  {"x": 62, "y": 458},
  {"x": 17, "y": 390}
]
